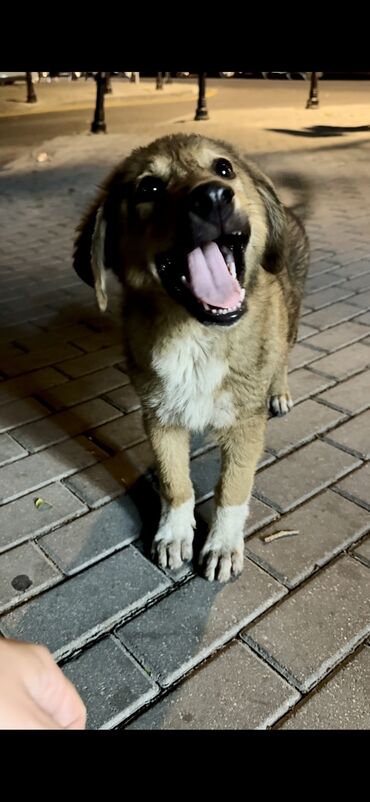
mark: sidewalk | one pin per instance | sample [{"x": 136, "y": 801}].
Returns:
[
  {"x": 63, "y": 95},
  {"x": 286, "y": 645}
]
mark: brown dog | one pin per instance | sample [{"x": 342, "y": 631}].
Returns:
[{"x": 212, "y": 267}]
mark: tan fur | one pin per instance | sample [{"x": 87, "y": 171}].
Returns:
[{"x": 225, "y": 376}]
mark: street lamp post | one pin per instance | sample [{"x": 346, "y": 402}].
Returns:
[
  {"x": 98, "y": 125},
  {"x": 313, "y": 98},
  {"x": 159, "y": 81},
  {"x": 107, "y": 84},
  {"x": 31, "y": 94},
  {"x": 201, "y": 110},
  {"x": 169, "y": 79}
]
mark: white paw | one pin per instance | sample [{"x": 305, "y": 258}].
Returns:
[
  {"x": 222, "y": 562},
  {"x": 280, "y": 404},
  {"x": 173, "y": 543},
  {"x": 222, "y": 555}
]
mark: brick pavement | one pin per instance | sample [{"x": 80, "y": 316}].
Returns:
[{"x": 286, "y": 644}]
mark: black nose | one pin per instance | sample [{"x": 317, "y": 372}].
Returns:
[{"x": 212, "y": 202}]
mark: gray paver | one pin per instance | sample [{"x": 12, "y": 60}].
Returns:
[
  {"x": 338, "y": 336},
  {"x": 88, "y": 363},
  {"x": 363, "y": 550},
  {"x": 14, "y": 389},
  {"x": 327, "y": 524},
  {"x": 38, "y": 359},
  {"x": 301, "y": 425},
  {"x": 124, "y": 398},
  {"x": 331, "y": 316},
  {"x": 305, "y": 472},
  {"x": 345, "y": 362},
  {"x": 63, "y": 425},
  {"x": 342, "y": 703},
  {"x": 21, "y": 519},
  {"x": 183, "y": 628},
  {"x": 87, "y": 604},
  {"x": 94, "y": 536},
  {"x": 10, "y": 450},
  {"x": 21, "y": 412},
  {"x": 121, "y": 433},
  {"x": 83, "y": 389},
  {"x": 352, "y": 396},
  {"x": 233, "y": 691},
  {"x": 318, "y": 625},
  {"x": 354, "y": 435},
  {"x": 356, "y": 487},
  {"x": 24, "y": 572},
  {"x": 110, "y": 683},
  {"x": 37, "y": 470},
  {"x": 304, "y": 383}
]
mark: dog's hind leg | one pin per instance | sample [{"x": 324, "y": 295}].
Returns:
[
  {"x": 279, "y": 399},
  {"x": 173, "y": 542},
  {"x": 242, "y": 446}
]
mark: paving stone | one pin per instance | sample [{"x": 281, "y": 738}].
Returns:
[
  {"x": 304, "y": 383},
  {"x": 354, "y": 435},
  {"x": 185, "y": 627},
  {"x": 88, "y": 363},
  {"x": 92, "y": 537},
  {"x": 17, "y": 331},
  {"x": 338, "y": 336},
  {"x": 356, "y": 487},
  {"x": 112, "y": 685},
  {"x": 342, "y": 703},
  {"x": 95, "y": 340},
  {"x": 10, "y": 450},
  {"x": 20, "y": 412},
  {"x": 363, "y": 550},
  {"x": 294, "y": 479},
  {"x": 330, "y": 295},
  {"x": 345, "y": 362},
  {"x": 355, "y": 268},
  {"x": 204, "y": 472},
  {"x": 14, "y": 389},
  {"x": 24, "y": 572},
  {"x": 21, "y": 519},
  {"x": 233, "y": 691},
  {"x": 314, "y": 628},
  {"x": 37, "y": 470},
  {"x": 302, "y": 355},
  {"x": 260, "y": 514},
  {"x": 323, "y": 280},
  {"x": 301, "y": 425},
  {"x": 88, "y": 604},
  {"x": 125, "y": 398},
  {"x": 331, "y": 316},
  {"x": 121, "y": 433},
  {"x": 359, "y": 283},
  {"x": 36, "y": 341},
  {"x": 352, "y": 396},
  {"x": 326, "y": 526},
  {"x": 83, "y": 389},
  {"x": 361, "y": 300},
  {"x": 63, "y": 425},
  {"x": 102, "y": 483},
  {"x": 38, "y": 359},
  {"x": 364, "y": 319},
  {"x": 305, "y": 331}
]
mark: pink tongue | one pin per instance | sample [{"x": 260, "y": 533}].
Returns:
[{"x": 210, "y": 279}]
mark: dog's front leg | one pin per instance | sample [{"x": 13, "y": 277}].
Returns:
[
  {"x": 173, "y": 542},
  {"x": 222, "y": 554}
]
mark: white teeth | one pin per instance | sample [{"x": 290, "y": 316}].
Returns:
[
  {"x": 183, "y": 279},
  {"x": 242, "y": 296}
]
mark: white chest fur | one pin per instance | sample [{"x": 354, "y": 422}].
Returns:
[{"x": 190, "y": 393}]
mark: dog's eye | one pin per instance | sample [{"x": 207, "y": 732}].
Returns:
[
  {"x": 149, "y": 189},
  {"x": 223, "y": 168}
]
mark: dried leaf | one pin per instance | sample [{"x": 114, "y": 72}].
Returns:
[{"x": 278, "y": 535}]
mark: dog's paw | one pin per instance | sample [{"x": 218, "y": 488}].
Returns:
[
  {"x": 280, "y": 404},
  {"x": 222, "y": 562},
  {"x": 173, "y": 543}
]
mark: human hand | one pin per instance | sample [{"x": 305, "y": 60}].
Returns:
[{"x": 34, "y": 693}]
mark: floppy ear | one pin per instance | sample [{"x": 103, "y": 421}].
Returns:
[
  {"x": 89, "y": 253},
  {"x": 274, "y": 257}
]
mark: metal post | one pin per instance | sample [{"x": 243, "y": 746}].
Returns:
[
  {"x": 31, "y": 94},
  {"x": 98, "y": 125},
  {"x": 159, "y": 81},
  {"x": 168, "y": 78},
  {"x": 313, "y": 98},
  {"x": 201, "y": 111}
]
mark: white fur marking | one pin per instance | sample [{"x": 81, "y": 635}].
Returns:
[
  {"x": 97, "y": 259},
  {"x": 191, "y": 376},
  {"x": 222, "y": 553},
  {"x": 173, "y": 542}
]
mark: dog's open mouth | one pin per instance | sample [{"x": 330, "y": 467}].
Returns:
[{"x": 208, "y": 279}]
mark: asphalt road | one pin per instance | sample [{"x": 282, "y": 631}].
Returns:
[{"x": 19, "y": 133}]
